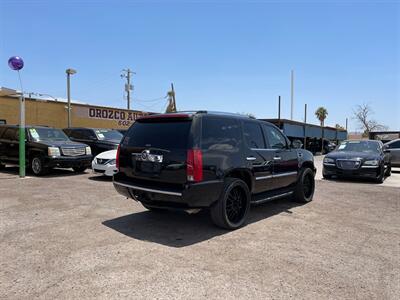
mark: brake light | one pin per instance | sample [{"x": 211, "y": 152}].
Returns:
[
  {"x": 194, "y": 165},
  {"x": 117, "y": 158}
]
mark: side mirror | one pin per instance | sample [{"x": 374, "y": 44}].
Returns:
[{"x": 296, "y": 144}]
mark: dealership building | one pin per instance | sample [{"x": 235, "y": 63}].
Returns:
[{"x": 54, "y": 113}]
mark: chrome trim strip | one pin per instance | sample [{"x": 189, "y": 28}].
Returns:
[
  {"x": 370, "y": 167},
  {"x": 276, "y": 176},
  {"x": 272, "y": 198},
  {"x": 264, "y": 177},
  {"x": 329, "y": 164},
  {"x": 285, "y": 174},
  {"x": 148, "y": 190}
]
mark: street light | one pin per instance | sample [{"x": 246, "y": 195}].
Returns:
[{"x": 69, "y": 73}]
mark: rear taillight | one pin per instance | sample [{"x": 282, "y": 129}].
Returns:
[
  {"x": 194, "y": 165},
  {"x": 117, "y": 158}
]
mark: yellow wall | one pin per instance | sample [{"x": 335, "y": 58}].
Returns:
[{"x": 54, "y": 114}]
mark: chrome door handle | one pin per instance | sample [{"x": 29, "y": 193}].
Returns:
[
  {"x": 277, "y": 158},
  {"x": 250, "y": 158}
]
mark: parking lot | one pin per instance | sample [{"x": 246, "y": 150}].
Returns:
[{"x": 72, "y": 236}]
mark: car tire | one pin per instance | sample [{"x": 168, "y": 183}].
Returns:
[
  {"x": 381, "y": 176},
  {"x": 326, "y": 176},
  {"x": 388, "y": 171},
  {"x": 79, "y": 169},
  {"x": 2, "y": 166},
  {"x": 37, "y": 166},
  {"x": 231, "y": 209},
  {"x": 305, "y": 186}
]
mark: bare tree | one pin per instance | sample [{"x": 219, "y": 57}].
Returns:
[{"x": 362, "y": 114}]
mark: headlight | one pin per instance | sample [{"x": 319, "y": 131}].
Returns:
[
  {"x": 329, "y": 160},
  {"x": 53, "y": 151},
  {"x": 112, "y": 162},
  {"x": 374, "y": 162},
  {"x": 88, "y": 151}
]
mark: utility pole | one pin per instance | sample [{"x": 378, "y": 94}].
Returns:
[
  {"x": 279, "y": 111},
  {"x": 291, "y": 94},
  {"x": 346, "y": 123},
  {"x": 126, "y": 73}
]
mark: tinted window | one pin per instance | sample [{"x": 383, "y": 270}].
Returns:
[
  {"x": 275, "y": 138},
  {"x": 163, "y": 135},
  {"x": 220, "y": 134},
  {"x": 2, "y": 129},
  {"x": 253, "y": 135},
  {"x": 76, "y": 133},
  {"x": 10, "y": 134},
  {"x": 394, "y": 145}
]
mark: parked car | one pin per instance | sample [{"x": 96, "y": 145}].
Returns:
[
  {"x": 223, "y": 162},
  {"x": 105, "y": 163},
  {"x": 98, "y": 139},
  {"x": 46, "y": 148},
  {"x": 314, "y": 145},
  {"x": 363, "y": 158},
  {"x": 394, "y": 148}
]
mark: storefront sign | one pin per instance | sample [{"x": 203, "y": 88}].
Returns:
[{"x": 124, "y": 118}]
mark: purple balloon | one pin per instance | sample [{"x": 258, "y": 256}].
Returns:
[{"x": 16, "y": 63}]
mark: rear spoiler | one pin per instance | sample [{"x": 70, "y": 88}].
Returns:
[{"x": 165, "y": 116}]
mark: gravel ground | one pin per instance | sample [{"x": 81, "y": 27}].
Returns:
[{"x": 73, "y": 236}]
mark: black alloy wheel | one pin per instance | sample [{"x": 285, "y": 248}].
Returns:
[
  {"x": 305, "y": 186},
  {"x": 231, "y": 209},
  {"x": 236, "y": 205}
]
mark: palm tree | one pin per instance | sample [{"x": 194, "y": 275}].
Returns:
[{"x": 321, "y": 113}]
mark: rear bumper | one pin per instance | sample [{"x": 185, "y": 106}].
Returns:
[
  {"x": 108, "y": 170},
  {"x": 357, "y": 173},
  {"x": 196, "y": 195},
  {"x": 69, "y": 162}
]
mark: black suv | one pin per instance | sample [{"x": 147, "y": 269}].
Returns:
[
  {"x": 224, "y": 162},
  {"x": 99, "y": 140},
  {"x": 45, "y": 148}
]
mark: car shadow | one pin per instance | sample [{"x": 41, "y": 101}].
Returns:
[
  {"x": 353, "y": 180},
  {"x": 56, "y": 172},
  {"x": 101, "y": 178},
  {"x": 180, "y": 229}
]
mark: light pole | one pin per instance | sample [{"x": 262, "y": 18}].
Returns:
[
  {"x": 69, "y": 73},
  {"x": 16, "y": 63}
]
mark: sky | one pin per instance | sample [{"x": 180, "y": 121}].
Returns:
[{"x": 233, "y": 56}]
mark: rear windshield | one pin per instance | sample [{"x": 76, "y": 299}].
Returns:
[{"x": 163, "y": 135}]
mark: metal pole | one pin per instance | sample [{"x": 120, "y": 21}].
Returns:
[
  {"x": 305, "y": 122},
  {"x": 128, "y": 90},
  {"x": 279, "y": 108},
  {"x": 69, "y": 99},
  {"x": 21, "y": 131},
  {"x": 291, "y": 95},
  {"x": 346, "y": 123}
]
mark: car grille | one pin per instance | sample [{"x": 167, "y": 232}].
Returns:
[
  {"x": 73, "y": 151},
  {"x": 348, "y": 164},
  {"x": 101, "y": 161}
]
